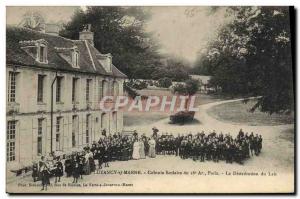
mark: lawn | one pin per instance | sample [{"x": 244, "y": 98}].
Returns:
[
  {"x": 142, "y": 118},
  {"x": 288, "y": 135},
  {"x": 238, "y": 112}
]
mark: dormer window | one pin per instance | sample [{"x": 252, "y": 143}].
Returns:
[
  {"x": 71, "y": 55},
  {"x": 75, "y": 59},
  {"x": 42, "y": 55},
  {"x": 37, "y": 49},
  {"x": 106, "y": 62}
]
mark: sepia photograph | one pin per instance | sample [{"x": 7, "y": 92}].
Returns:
[{"x": 150, "y": 100}]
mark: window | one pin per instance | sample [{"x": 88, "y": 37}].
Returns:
[
  {"x": 42, "y": 54},
  {"x": 74, "y": 89},
  {"x": 104, "y": 88},
  {"x": 75, "y": 59},
  {"x": 88, "y": 85},
  {"x": 42, "y": 51},
  {"x": 74, "y": 129},
  {"x": 37, "y": 49},
  {"x": 100, "y": 90},
  {"x": 58, "y": 89},
  {"x": 115, "y": 121},
  {"x": 58, "y": 130},
  {"x": 87, "y": 128},
  {"x": 40, "y": 136},
  {"x": 40, "y": 93},
  {"x": 11, "y": 141},
  {"x": 115, "y": 87},
  {"x": 104, "y": 121},
  {"x": 11, "y": 86}
]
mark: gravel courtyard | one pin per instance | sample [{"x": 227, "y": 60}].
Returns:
[{"x": 171, "y": 174}]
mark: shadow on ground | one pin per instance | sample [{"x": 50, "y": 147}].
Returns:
[{"x": 187, "y": 123}]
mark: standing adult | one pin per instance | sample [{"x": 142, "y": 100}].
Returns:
[
  {"x": 146, "y": 144},
  {"x": 155, "y": 132},
  {"x": 136, "y": 150},
  {"x": 152, "y": 144},
  {"x": 142, "y": 149},
  {"x": 59, "y": 170},
  {"x": 260, "y": 140},
  {"x": 103, "y": 132},
  {"x": 87, "y": 165},
  {"x": 45, "y": 173},
  {"x": 106, "y": 155},
  {"x": 68, "y": 166}
]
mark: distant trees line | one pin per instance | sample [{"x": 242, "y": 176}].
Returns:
[{"x": 187, "y": 88}]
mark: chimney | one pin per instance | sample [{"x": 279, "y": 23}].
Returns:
[{"x": 86, "y": 34}]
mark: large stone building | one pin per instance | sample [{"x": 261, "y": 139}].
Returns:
[{"x": 78, "y": 74}]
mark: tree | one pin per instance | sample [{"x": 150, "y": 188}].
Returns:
[
  {"x": 165, "y": 82},
  {"x": 173, "y": 68},
  {"x": 189, "y": 88},
  {"x": 120, "y": 31},
  {"x": 33, "y": 20},
  {"x": 202, "y": 66},
  {"x": 252, "y": 57}
]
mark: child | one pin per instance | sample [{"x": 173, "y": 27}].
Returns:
[
  {"x": 106, "y": 156},
  {"x": 81, "y": 165},
  {"x": 68, "y": 166},
  {"x": 35, "y": 172},
  {"x": 59, "y": 170},
  {"x": 97, "y": 158},
  {"x": 76, "y": 172},
  {"x": 45, "y": 173}
]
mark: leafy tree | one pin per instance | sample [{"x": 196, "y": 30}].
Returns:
[
  {"x": 173, "y": 68},
  {"x": 120, "y": 31},
  {"x": 252, "y": 57},
  {"x": 164, "y": 82},
  {"x": 189, "y": 88},
  {"x": 202, "y": 66},
  {"x": 33, "y": 20}
]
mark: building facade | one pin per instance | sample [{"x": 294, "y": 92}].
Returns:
[{"x": 71, "y": 75}]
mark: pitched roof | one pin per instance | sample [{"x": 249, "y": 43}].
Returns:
[{"x": 87, "y": 53}]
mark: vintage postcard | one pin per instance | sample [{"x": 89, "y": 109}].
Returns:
[{"x": 158, "y": 100}]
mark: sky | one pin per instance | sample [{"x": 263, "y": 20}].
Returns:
[
  {"x": 181, "y": 31},
  {"x": 185, "y": 31},
  {"x": 51, "y": 14}
]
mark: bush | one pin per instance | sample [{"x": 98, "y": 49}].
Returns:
[
  {"x": 142, "y": 85},
  {"x": 132, "y": 93},
  {"x": 179, "y": 89},
  {"x": 190, "y": 87},
  {"x": 150, "y": 82},
  {"x": 164, "y": 82},
  {"x": 137, "y": 84}
]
